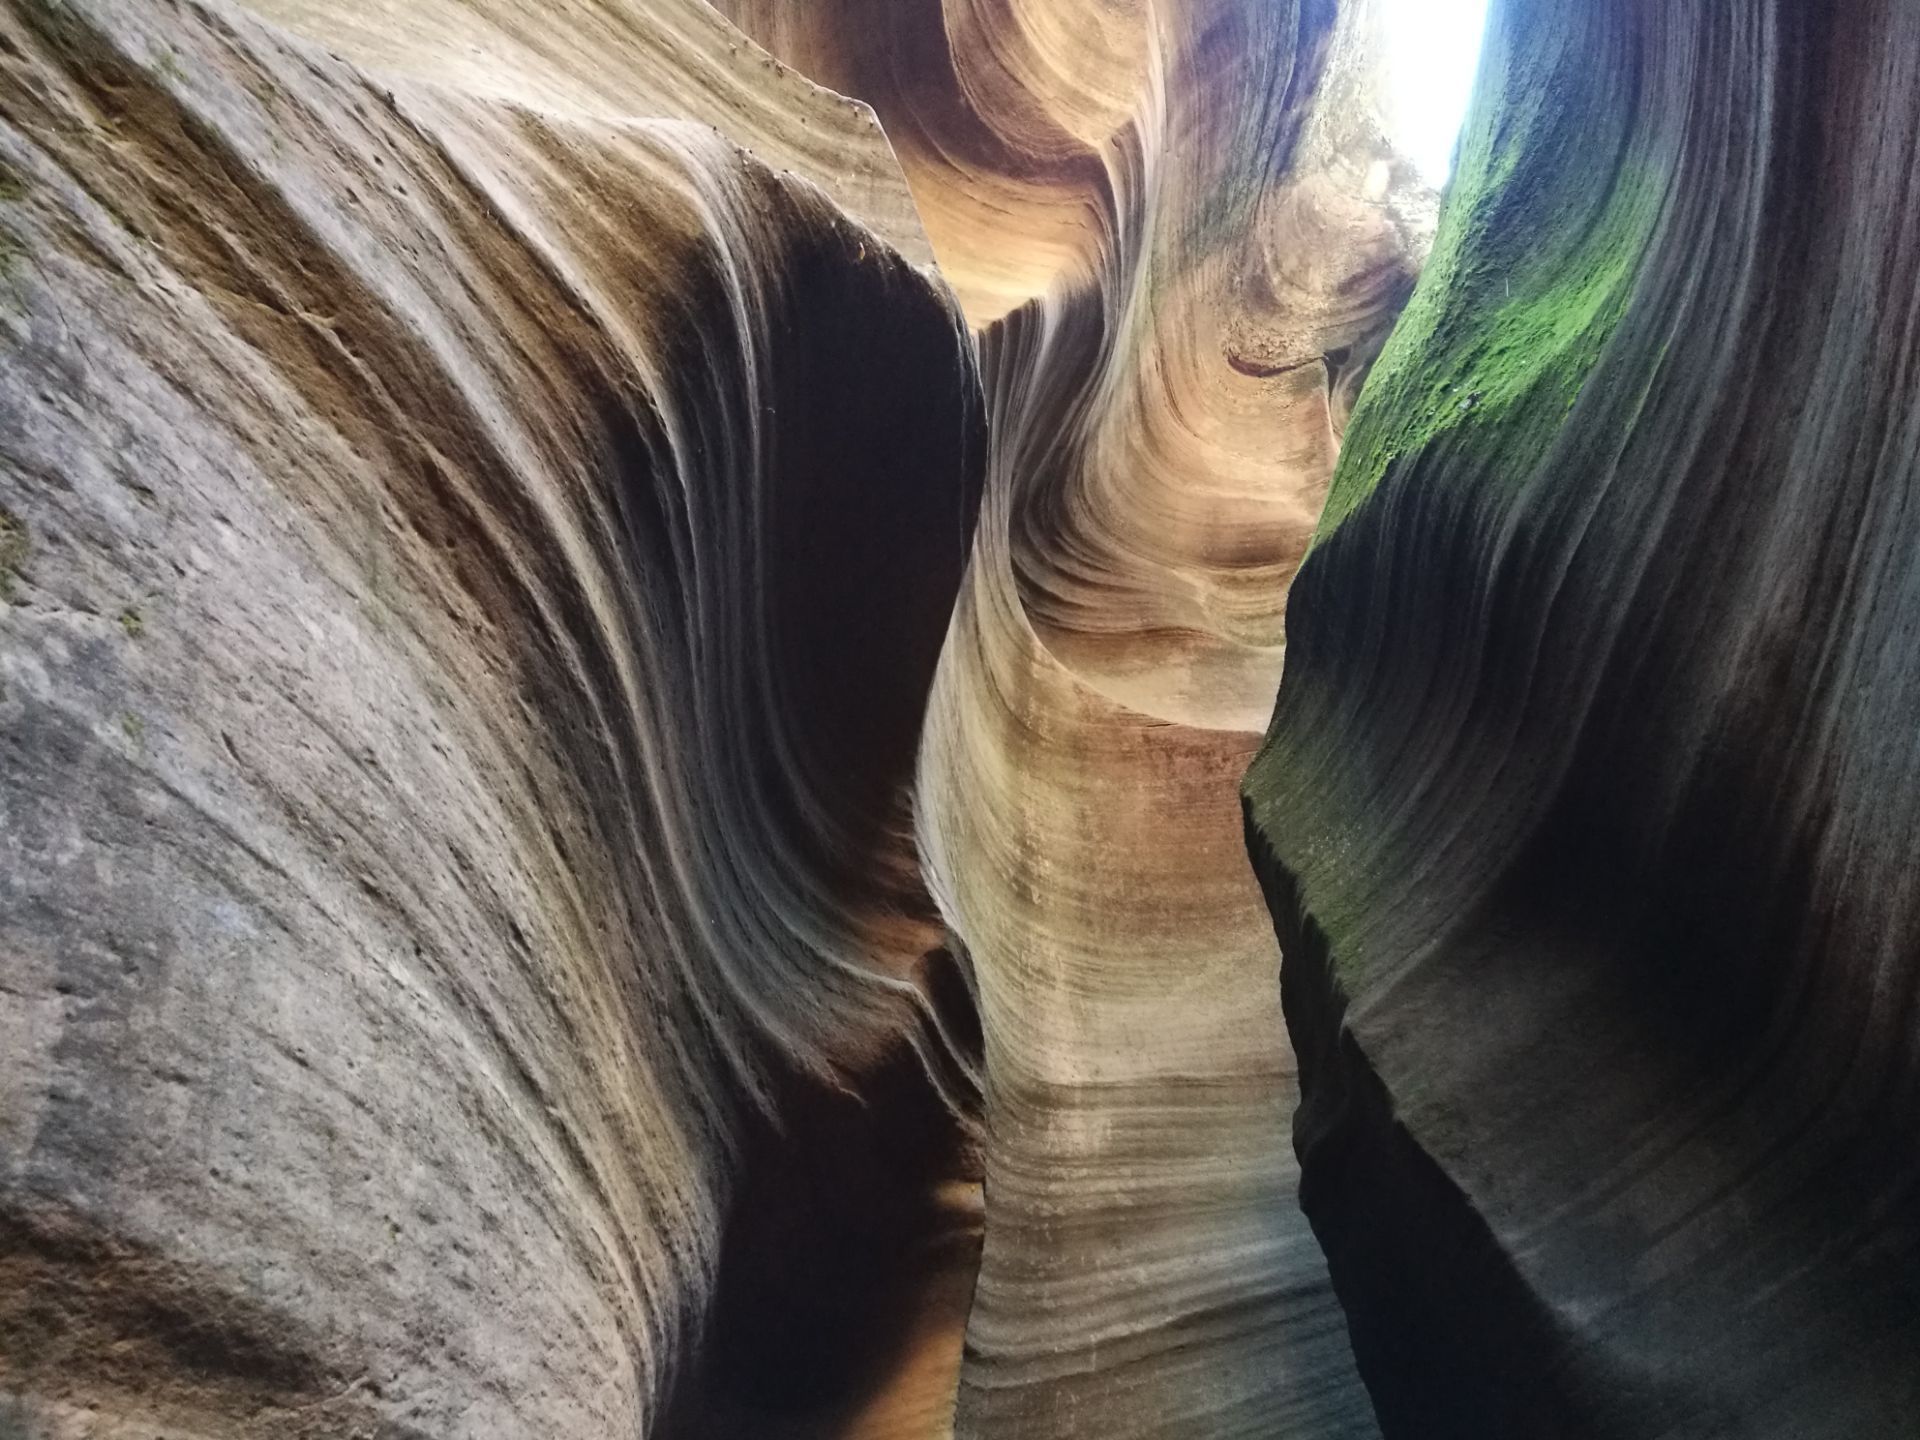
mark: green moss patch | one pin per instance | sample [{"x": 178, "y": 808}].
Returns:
[{"x": 1539, "y": 246}]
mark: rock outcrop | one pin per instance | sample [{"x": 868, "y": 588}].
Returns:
[
  {"x": 1590, "y": 807},
  {"x": 475, "y": 563}
]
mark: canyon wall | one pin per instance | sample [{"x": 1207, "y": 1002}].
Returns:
[
  {"x": 1590, "y": 808},
  {"x": 474, "y": 565},
  {"x": 1183, "y": 237},
  {"x": 486, "y": 488},
  {"x": 629, "y": 633}
]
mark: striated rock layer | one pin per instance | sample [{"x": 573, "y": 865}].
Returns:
[
  {"x": 472, "y": 565},
  {"x": 553, "y": 881},
  {"x": 1183, "y": 239},
  {"x": 1590, "y": 807}
]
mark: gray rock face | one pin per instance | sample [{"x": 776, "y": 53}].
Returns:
[
  {"x": 1589, "y": 807},
  {"x": 472, "y": 579}
]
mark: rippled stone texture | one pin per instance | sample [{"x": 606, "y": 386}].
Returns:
[
  {"x": 1590, "y": 808},
  {"x": 474, "y": 566},
  {"x": 1183, "y": 239}
]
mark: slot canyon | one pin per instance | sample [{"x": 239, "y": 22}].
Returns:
[{"x": 958, "y": 720}]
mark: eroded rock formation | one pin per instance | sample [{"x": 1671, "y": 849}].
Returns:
[
  {"x": 486, "y": 490},
  {"x": 475, "y": 563},
  {"x": 1178, "y": 295},
  {"x": 1590, "y": 809},
  {"x": 624, "y": 683}
]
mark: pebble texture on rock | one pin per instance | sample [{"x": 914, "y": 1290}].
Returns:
[
  {"x": 1590, "y": 810},
  {"x": 474, "y": 565}
]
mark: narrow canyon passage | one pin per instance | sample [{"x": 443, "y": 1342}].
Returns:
[
  {"x": 1164, "y": 407},
  {"x": 952, "y": 720}
]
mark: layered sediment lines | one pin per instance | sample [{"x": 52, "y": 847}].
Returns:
[
  {"x": 1590, "y": 806},
  {"x": 1181, "y": 266},
  {"x": 472, "y": 564}
]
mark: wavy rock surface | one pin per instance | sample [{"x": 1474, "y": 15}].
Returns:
[
  {"x": 1590, "y": 807},
  {"x": 474, "y": 566},
  {"x": 1181, "y": 266}
]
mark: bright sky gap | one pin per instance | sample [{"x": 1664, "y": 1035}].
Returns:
[{"x": 1433, "y": 47}]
